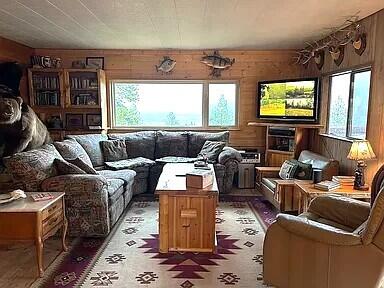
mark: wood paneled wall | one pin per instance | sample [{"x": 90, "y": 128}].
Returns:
[
  {"x": 12, "y": 51},
  {"x": 249, "y": 68},
  {"x": 374, "y": 57}
]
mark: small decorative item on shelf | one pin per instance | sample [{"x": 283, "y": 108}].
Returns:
[
  {"x": 45, "y": 62},
  {"x": 93, "y": 121},
  {"x": 74, "y": 121},
  {"x": 95, "y": 62},
  {"x": 78, "y": 64},
  {"x": 54, "y": 122},
  {"x": 166, "y": 65},
  {"x": 361, "y": 151}
]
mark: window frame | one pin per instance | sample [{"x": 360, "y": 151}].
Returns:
[
  {"x": 353, "y": 72},
  {"x": 204, "y": 108}
]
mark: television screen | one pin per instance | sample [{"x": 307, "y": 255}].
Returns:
[{"x": 288, "y": 99}]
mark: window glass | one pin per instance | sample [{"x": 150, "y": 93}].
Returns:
[
  {"x": 338, "y": 107},
  {"x": 222, "y": 104},
  {"x": 158, "y": 104},
  {"x": 361, "y": 86}
]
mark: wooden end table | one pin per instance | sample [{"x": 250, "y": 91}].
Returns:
[
  {"x": 27, "y": 220},
  {"x": 306, "y": 191},
  {"x": 187, "y": 215}
]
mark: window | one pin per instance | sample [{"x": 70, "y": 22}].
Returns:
[
  {"x": 348, "y": 104},
  {"x": 195, "y": 104}
]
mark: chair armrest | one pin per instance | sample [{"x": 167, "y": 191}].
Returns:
[
  {"x": 86, "y": 203},
  {"x": 272, "y": 172},
  {"x": 343, "y": 210},
  {"x": 227, "y": 154},
  {"x": 75, "y": 184},
  {"x": 316, "y": 231}
]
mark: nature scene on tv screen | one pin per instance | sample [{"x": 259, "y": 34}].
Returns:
[{"x": 288, "y": 99}]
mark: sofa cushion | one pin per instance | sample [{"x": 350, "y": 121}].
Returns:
[
  {"x": 196, "y": 140},
  {"x": 288, "y": 170},
  {"x": 91, "y": 144},
  {"x": 175, "y": 159},
  {"x": 71, "y": 149},
  {"x": 129, "y": 163},
  {"x": 139, "y": 144},
  {"x": 171, "y": 144},
  {"x": 211, "y": 150},
  {"x": 83, "y": 166},
  {"x": 316, "y": 160},
  {"x": 126, "y": 175},
  {"x": 115, "y": 190},
  {"x": 32, "y": 167},
  {"x": 64, "y": 167},
  {"x": 270, "y": 183},
  {"x": 114, "y": 150}
]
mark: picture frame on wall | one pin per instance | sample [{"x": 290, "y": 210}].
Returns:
[
  {"x": 74, "y": 121},
  {"x": 93, "y": 120},
  {"x": 95, "y": 62}
]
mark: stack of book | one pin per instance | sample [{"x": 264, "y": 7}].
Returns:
[
  {"x": 327, "y": 185},
  {"x": 344, "y": 181}
]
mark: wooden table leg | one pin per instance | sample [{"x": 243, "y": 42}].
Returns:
[
  {"x": 64, "y": 229},
  {"x": 163, "y": 224},
  {"x": 39, "y": 245}
]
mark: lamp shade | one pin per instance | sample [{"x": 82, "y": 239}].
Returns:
[{"x": 361, "y": 150}]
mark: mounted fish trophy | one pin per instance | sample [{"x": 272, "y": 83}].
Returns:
[
  {"x": 337, "y": 54},
  {"x": 217, "y": 63},
  {"x": 166, "y": 65}
]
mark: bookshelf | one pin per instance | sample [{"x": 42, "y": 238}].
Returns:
[{"x": 69, "y": 101}]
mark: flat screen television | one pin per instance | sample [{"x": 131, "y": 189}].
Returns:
[{"x": 291, "y": 100}]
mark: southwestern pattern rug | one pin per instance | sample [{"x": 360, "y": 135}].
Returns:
[{"x": 129, "y": 256}]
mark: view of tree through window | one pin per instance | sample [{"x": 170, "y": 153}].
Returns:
[
  {"x": 348, "y": 109},
  {"x": 222, "y": 104},
  {"x": 173, "y": 104}
]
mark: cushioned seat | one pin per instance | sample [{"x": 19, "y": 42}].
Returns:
[
  {"x": 126, "y": 175},
  {"x": 115, "y": 190},
  {"x": 270, "y": 183}
]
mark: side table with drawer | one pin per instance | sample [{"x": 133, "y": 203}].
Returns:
[{"x": 27, "y": 220}]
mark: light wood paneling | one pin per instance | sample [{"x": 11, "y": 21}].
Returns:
[
  {"x": 374, "y": 57},
  {"x": 12, "y": 51},
  {"x": 249, "y": 68}
]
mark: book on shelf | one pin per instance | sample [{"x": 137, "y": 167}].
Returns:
[
  {"x": 51, "y": 98},
  {"x": 327, "y": 185},
  {"x": 45, "y": 82},
  {"x": 83, "y": 83},
  {"x": 42, "y": 196}
]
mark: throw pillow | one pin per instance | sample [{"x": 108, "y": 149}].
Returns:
[
  {"x": 83, "y": 166},
  {"x": 71, "y": 149},
  {"x": 287, "y": 170},
  {"x": 64, "y": 168},
  {"x": 211, "y": 150},
  {"x": 114, "y": 150},
  {"x": 130, "y": 163},
  {"x": 303, "y": 171}
]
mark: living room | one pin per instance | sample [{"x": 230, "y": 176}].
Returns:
[{"x": 191, "y": 143}]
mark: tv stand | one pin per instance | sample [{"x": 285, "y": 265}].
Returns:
[{"x": 285, "y": 140}]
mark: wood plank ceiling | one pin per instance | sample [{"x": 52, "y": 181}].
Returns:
[{"x": 179, "y": 24}]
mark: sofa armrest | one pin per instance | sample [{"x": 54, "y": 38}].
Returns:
[
  {"x": 229, "y": 153},
  {"x": 316, "y": 231},
  {"x": 343, "y": 210},
  {"x": 86, "y": 203}
]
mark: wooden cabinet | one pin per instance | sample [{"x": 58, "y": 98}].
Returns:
[
  {"x": 69, "y": 101},
  {"x": 190, "y": 222}
]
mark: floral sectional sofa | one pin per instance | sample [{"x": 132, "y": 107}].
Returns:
[{"x": 122, "y": 165}]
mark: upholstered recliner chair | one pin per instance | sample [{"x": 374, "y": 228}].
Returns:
[{"x": 338, "y": 243}]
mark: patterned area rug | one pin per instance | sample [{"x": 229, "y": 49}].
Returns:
[{"x": 129, "y": 256}]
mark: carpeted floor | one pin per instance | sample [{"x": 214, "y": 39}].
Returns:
[{"x": 129, "y": 256}]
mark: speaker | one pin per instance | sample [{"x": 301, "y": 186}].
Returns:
[{"x": 316, "y": 175}]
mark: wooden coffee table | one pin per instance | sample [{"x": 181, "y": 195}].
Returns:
[
  {"x": 306, "y": 191},
  {"x": 187, "y": 215},
  {"x": 27, "y": 220}
]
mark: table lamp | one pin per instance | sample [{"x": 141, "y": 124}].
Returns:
[{"x": 360, "y": 151}]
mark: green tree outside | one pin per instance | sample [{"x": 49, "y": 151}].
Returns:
[
  {"x": 221, "y": 114},
  {"x": 171, "y": 119},
  {"x": 126, "y": 98}
]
